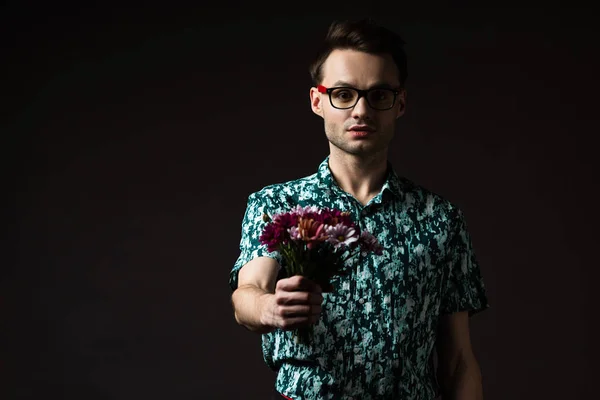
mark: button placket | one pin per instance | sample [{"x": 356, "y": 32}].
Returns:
[
  {"x": 357, "y": 350},
  {"x": 352, "y": 305}
]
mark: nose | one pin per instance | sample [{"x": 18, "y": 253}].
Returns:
[{"x": 361, "y": 110}]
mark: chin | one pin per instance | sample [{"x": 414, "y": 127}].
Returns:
[
  {"x": 364, "y": 147},
  {"x": 361, "y": 150}
]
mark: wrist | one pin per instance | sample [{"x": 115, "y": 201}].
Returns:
[{"x": 265, "y": 311}]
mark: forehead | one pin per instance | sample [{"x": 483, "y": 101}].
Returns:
[{"x": 359, "y": 68}]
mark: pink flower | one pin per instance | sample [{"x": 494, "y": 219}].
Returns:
[
  {"x": 273, "y": 235},
  {"x": 368, "y": 242},
  {"x": 311, "y": 231},
  {"x": 341, "y": 235},
  {"x": 303, "y": 211},
  {"x": 286, "y": 220},
  {"x": 311, "y": 226},
  {"x": 294, "y": 233},
  {"x": 334, "y": 217}
]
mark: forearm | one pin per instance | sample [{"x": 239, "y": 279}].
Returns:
[
  {"x": 249, "y": 305},
  {"x": 463, "y": 383}
]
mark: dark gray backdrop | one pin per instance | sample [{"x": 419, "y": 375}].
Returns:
[{"x": 136, "y": 135}]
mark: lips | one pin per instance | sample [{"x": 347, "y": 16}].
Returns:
[
  {"x": 360, "y": 134},
  {"x": 361, "y": 128},
  {"x": 359, "y": 131}
]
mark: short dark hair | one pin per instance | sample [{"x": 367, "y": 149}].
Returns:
[{"x": 361, "y": 35}]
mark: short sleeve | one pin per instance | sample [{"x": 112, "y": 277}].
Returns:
[
  {"x": 252, "y": 226},
  {"x": 464, "y": 289}
]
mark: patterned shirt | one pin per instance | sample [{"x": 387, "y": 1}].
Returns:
[{"x": 376, "y": 334}]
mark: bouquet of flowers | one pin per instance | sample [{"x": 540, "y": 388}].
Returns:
[{"x": 316, "y": 242}]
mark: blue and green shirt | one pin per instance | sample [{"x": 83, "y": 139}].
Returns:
[{"x": 376, "y": 335}]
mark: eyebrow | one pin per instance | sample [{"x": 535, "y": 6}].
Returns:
[{"x": 378, "y": 85}]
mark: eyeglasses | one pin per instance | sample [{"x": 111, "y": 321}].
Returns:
[{"x": 345, "y": 97}]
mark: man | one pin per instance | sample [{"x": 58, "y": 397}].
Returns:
[{"x": 375, "y": 333}]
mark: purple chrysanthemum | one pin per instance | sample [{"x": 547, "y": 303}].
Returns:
[
  {"x": 341, "y": 235},
  {"x": 294, "y": 233},
  {"x": 272, "y": 236},
  {"x": 286, "y": 220},
  {"x": 368, "y": 242},
  {"x": 304, "y": 211}
]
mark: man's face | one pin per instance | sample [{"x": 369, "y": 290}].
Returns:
[{"x": 343, "y": 127}]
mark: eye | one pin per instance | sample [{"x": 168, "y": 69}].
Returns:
[
  {"x": 343, "y": 94},
  {"x": 379, "y": 94}
]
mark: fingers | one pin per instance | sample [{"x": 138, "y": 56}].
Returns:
[
  {"x": 297, "y": 302},
  {"x": 300, "y": 311},
  {"x": 290, "y": 317},
  {"x": 298, "y": 283},
  {"x": 296, "y": 322},
  {"x": 290, "y": 298}
]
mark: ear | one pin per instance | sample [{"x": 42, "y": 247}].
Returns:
[
  {"x": 401, "y": 103},
  {"x": 315, "y": 102}
]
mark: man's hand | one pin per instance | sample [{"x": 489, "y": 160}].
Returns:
[{"x": 296, "y": 303}]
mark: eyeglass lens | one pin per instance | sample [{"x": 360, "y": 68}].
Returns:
[{"x": 380, "y": 99}]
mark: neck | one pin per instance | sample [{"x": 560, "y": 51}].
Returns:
[{"x": 362, "y": 177}]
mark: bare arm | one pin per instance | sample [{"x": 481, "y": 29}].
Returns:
[
  {"x": 261, "y": 303},
  {"x": 458, "y": 371},
  {"x": 256, "y": 283}
]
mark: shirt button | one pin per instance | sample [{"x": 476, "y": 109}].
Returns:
[{"x": 361, "y": 301}]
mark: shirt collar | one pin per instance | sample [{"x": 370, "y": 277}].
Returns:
[{"x": 392, "y": 184}]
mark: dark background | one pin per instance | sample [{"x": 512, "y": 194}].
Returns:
[{"x": 133, "y": 137}]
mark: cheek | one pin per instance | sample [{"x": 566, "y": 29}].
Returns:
[
  {"x": 331, "y": 128},
  {"x": 334, "y": 120}
]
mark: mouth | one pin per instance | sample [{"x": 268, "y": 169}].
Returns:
[
  {"x": 361, "y": 130},
  {"x": 360, "y": 134}
]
